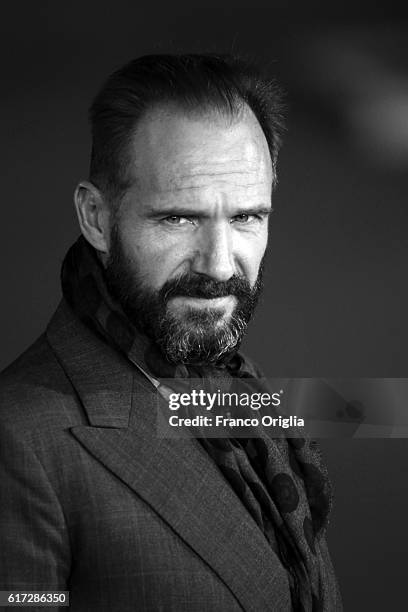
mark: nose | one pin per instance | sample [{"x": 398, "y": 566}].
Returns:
[{"x": 213, "y": 254}]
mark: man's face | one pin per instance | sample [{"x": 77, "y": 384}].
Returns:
[{"x": 186, "y": 251}]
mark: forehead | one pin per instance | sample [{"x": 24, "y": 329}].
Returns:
[{"x": 173, "y": 151}]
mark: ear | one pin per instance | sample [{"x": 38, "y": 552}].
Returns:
[{"x": 93, "y": 215}]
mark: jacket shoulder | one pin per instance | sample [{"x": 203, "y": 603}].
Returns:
[
  {"x": 34, "y": 389},
  {"x": 37, "y": 360}
]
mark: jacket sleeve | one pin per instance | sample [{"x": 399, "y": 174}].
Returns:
[{"x": 34, "y": 550}]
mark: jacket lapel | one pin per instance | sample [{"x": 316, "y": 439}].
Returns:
[{"x": 174, "y": 476}]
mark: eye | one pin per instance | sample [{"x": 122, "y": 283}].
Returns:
[
  {"x": 245, "y": 218},
  {"x": 176, "y": 220}
]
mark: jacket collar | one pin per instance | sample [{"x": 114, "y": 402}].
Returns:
[
  {"x": 175, "y": 477},
  {"x": 102, "y": 377}
]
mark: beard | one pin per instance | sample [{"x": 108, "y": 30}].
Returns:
[{"x": 196, "y": 336}]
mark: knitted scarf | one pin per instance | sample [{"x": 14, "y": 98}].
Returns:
[{"x": 281, "y": 481}]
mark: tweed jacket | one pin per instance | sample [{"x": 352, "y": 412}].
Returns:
[{"x": 93, "y": 501}]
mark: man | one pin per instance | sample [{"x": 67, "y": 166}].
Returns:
[{"x": 161, "y": 286}]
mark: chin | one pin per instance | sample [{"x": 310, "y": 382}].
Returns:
[
  {"x": 190, "y": 317},
  {"x": 198, "y": 336}
]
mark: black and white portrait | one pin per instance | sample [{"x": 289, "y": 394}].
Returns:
[{"x": 199, "y": 199}]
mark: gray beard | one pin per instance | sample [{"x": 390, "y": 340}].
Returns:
[
  {"x": 196, "y": 337},
  {"x": 204, "y": 344}
]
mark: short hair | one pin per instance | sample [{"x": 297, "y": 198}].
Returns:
[{"x": 192, "y": 82}]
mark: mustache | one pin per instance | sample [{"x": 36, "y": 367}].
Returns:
[{"x": 197, "y": 286}]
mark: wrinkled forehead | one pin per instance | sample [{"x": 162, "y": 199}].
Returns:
[{"x": 172, "y": 150}]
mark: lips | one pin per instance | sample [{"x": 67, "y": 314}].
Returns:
[
  {"x": 193, "y": 286},
  {"x": 224, "y": 306},
  {"x": 200, "y": 301}
]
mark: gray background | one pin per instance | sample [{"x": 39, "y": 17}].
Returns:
[{"x": 335, "y": 295}]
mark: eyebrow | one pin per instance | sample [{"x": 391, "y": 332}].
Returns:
[{"x": 184, "y": 211}]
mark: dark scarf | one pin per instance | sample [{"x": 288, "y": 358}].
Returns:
[{"x": 281, "y": 482}]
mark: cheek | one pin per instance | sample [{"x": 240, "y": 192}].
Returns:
[
  {"x": 158, "y": 260},
  {"x": 251, "y": 252}
]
